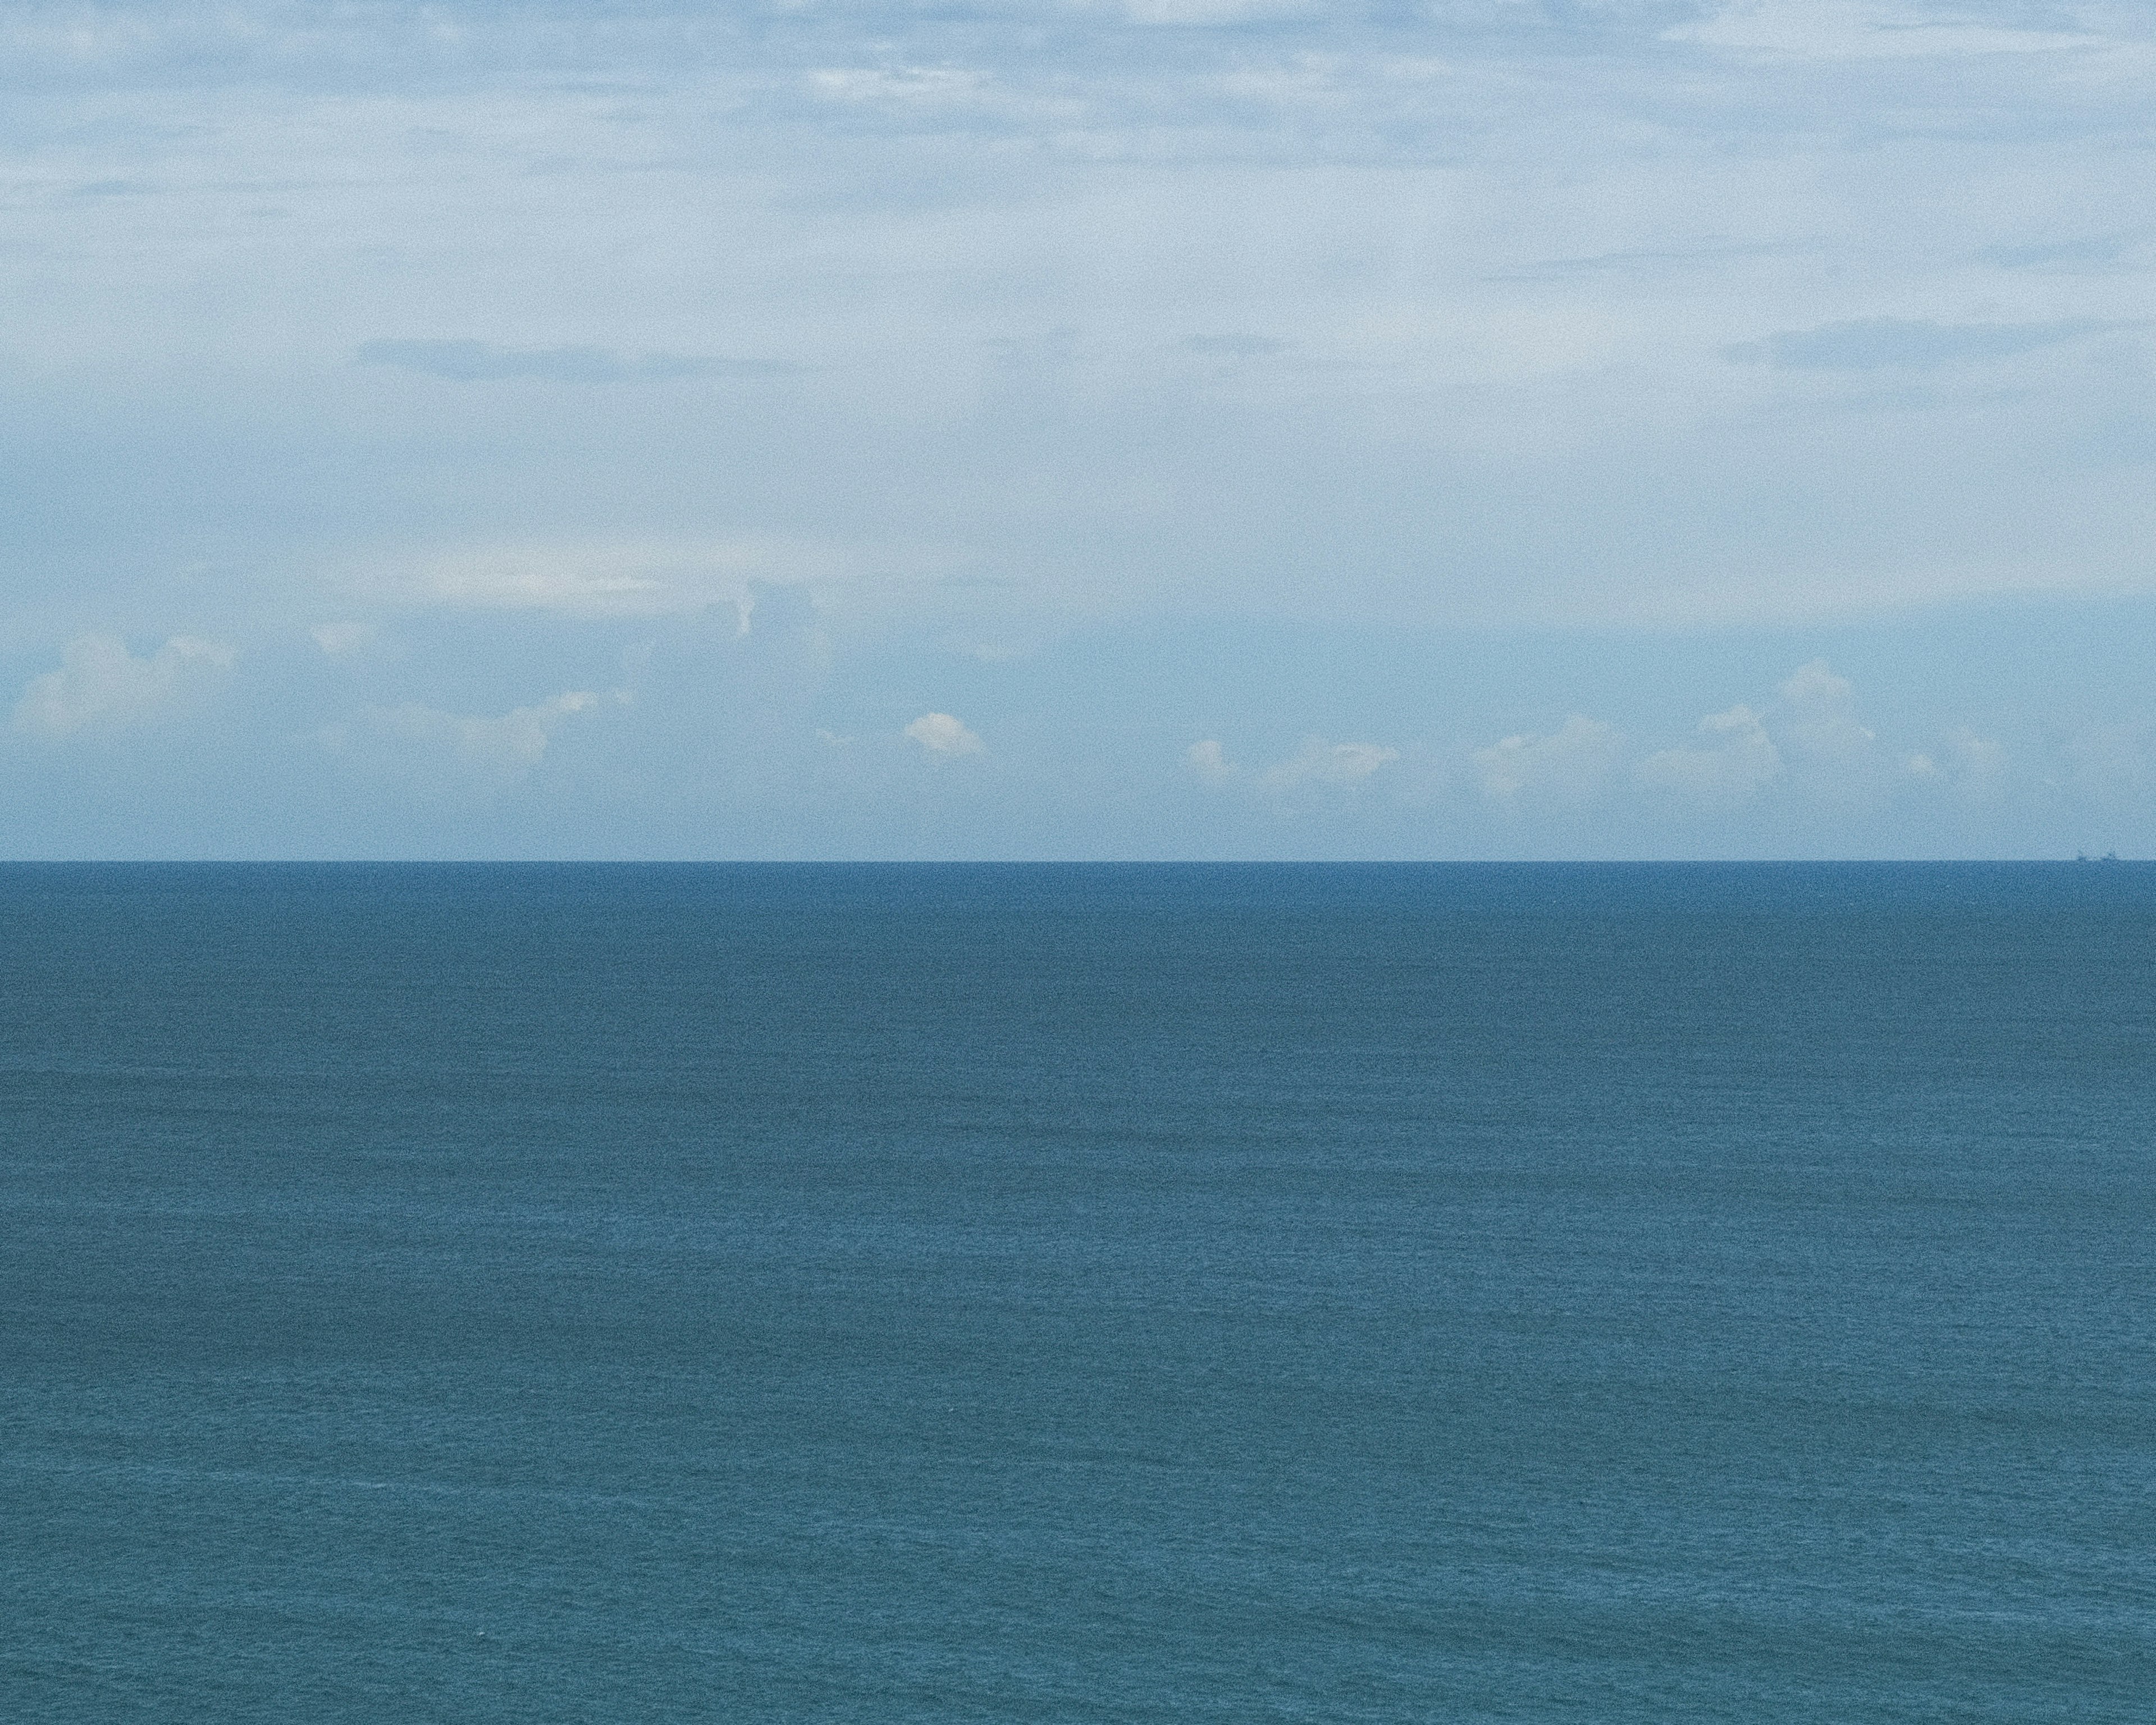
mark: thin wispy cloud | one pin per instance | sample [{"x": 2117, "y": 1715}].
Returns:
[
  {"x": 589, "y": 578},
  {"x": 1234, "y": 347},
  {"x": 2097, "y": 250},
  {"x": 1915, "y": 344},
  {"x": 467, "y": 361}
]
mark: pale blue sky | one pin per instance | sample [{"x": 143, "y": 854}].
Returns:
[{"x": 1205, "y": 428}]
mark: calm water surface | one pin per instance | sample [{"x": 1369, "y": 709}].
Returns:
[{"x": 594, "y": 1294}]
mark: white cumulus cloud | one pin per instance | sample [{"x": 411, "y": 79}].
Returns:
[
  {"x": 1207, "y": 761},
  {"x": 941, "y": 734},
  {"x": 497, "y": 749},
  {"x": 1837, "y": 757},
  {"x": 1318, "y": 761},
  {"x": 1568, "y": 765},
  {"x": 1737, "y": 762},
  {"x": 100, "y": 684},
  {"x": 1822, "y": 722}
]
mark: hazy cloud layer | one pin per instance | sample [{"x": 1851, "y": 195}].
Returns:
[{"x": 816, "y": 372}]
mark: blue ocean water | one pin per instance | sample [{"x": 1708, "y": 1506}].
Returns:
[{"x": 592, "y": 1293}]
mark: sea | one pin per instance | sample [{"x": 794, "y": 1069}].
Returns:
[{"x": 540, "y": 1294}]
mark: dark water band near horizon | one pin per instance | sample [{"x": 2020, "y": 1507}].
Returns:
[{"x": 612, "y": 1293}]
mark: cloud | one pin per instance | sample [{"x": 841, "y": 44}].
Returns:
[
  {"x": 1972, "y": 769},
  {"x": 941, "y": 734},
  {"x": 481, "y": 361},
  {"x": 1203, "y": 12},
  {"x": 1726, "y": 773},
  {"x": 596, "y": 578},
  {"x": 1206, "y": 760},
  {"x": 100, "y": 684},
  {"x": 1233, "y": 346},
  {"x": 1569, "y": 766},
  {"x": 1822, "y": 723},
  {"x": 1809, "y": 755},
  {"x": 1864, "y": 30},
  {"x": 1815, "y": 682},
  {"x": 1834, "y": 757},
  {"x": 2099, "y": 249},
  {"x": 1318, "y": 761},
  {"x": 490, "y": 751},
  {"x": 1644, "y": 263},
  {"x": 1286, "y": 259},
  {"x": 338, "y": 638},
  {"x": 1877, "y": 343},
  {"x": 1183, "y": 201},
  {"x": 1809, "y": 745}
]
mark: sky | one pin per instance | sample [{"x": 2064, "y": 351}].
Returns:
[{"x": 1081, "y": 429}]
